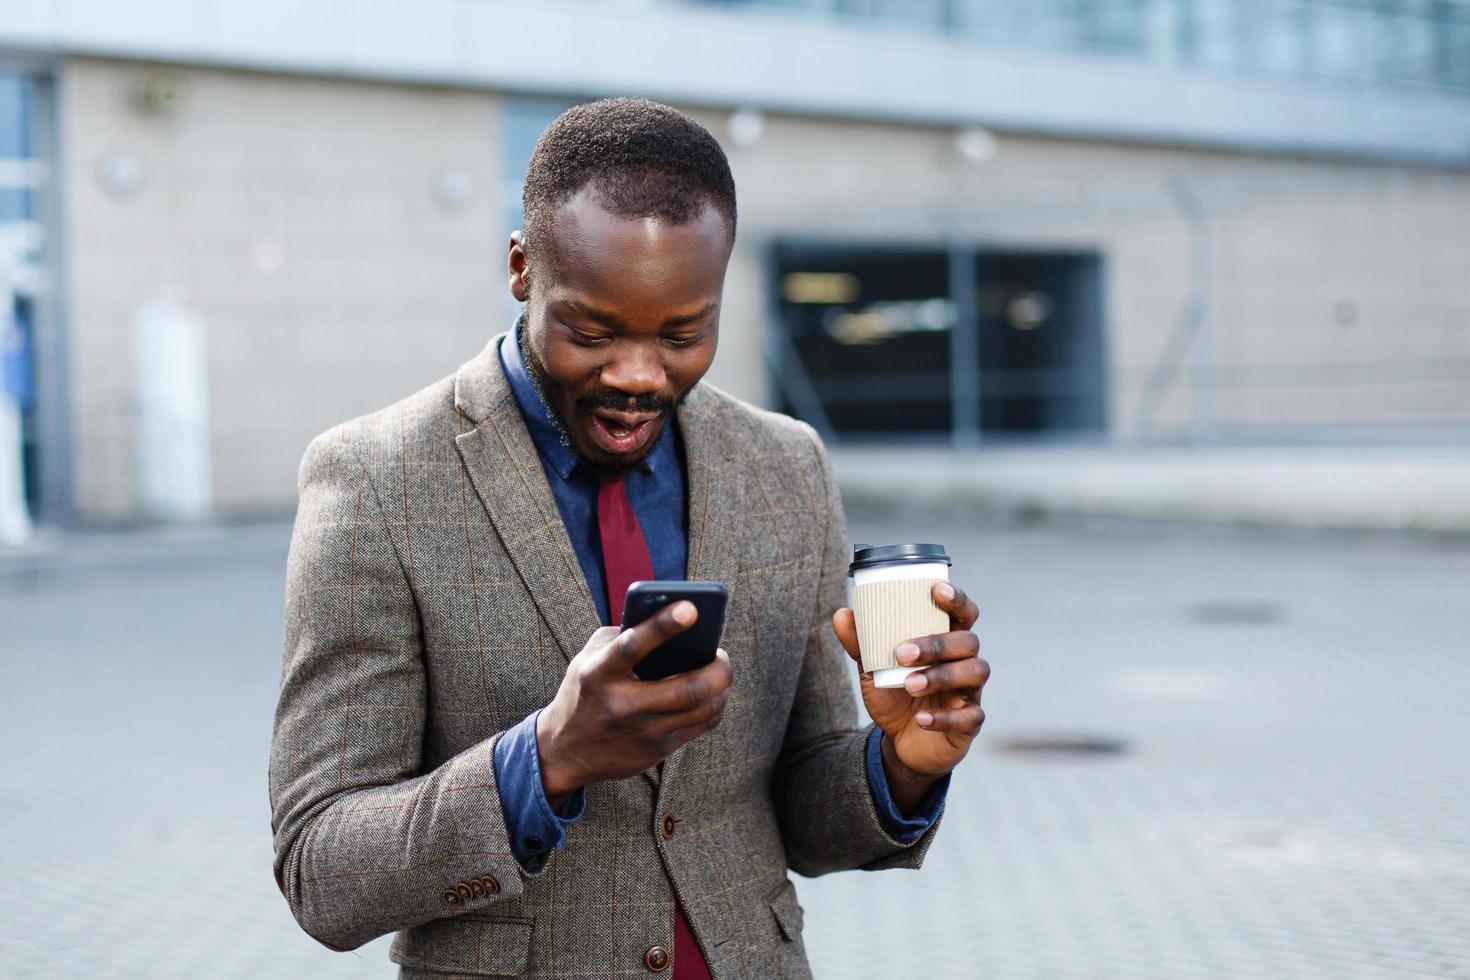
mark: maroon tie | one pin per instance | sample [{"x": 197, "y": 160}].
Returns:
[{"x": 625, "y": 561}]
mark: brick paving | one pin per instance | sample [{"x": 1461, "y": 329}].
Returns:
[{"x": 1292, "y": 799}]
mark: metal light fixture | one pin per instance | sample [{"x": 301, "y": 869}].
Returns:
[{"x": 163, "y": 93}]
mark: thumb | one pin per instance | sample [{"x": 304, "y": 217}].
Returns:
[{"x": 845, "y": 626}]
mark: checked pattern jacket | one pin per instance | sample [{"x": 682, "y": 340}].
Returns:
[{"x": 433, "y": 600}]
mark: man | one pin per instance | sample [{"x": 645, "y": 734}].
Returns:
[{"x": 462, "y": 754}]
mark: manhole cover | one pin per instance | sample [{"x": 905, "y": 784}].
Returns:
[
  {"x": 1061, "y": 744},
  {"x": 1264, "y": 613}
]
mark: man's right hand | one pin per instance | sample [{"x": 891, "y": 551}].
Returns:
[{"x": 606, "y": 723}]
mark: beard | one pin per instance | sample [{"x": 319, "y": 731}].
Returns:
[{"x": 588, "y": 402}]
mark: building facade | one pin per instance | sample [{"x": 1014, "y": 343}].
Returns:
[{"x": 1118, "y": 221}]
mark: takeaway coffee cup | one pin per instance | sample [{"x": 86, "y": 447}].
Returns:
[{"x": 892, "y": 601}]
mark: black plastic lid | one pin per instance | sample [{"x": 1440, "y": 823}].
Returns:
[{"x": 868, "y": 556}]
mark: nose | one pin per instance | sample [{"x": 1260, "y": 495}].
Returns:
[{"x": 634, "y": 369}]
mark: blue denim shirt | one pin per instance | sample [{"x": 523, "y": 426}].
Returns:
[{"x": 656, "y": 491}]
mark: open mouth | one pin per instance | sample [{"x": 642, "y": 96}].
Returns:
[{"x": 621, "y": 434}]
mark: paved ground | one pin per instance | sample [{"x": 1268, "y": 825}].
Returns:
[{"x": 1291, "y": 798}]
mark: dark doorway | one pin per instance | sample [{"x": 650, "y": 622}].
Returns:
[
  {"x": 878, "y": 341},
  {"x": 869, "y": 328},
  {"x": 1040, "y": 343}
]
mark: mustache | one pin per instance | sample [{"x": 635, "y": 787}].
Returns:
[{"x": 614, "y": 401}]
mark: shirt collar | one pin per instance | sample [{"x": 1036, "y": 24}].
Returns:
[{"x": 546, "y": 430}]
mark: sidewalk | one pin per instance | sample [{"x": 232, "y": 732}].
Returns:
[{"x": 1369, "y": 487}]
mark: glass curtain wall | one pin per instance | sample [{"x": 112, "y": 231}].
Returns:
[{"x": 1410, "y": 42}]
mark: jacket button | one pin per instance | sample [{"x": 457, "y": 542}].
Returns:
[
  {"x": 464, "y": 891},
  {"x": 477, "y": 887},
  {"x": 452, "y": 897},
  {"x": 491, "y": 885},
  {"x": 656, "y": 960},
  {"x": 669, "y": 823}
]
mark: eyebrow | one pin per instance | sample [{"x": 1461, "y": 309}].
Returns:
[{"x": 615, "y": 322}]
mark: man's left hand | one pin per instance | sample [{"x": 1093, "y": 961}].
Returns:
[{"x": 933, "y": 719}]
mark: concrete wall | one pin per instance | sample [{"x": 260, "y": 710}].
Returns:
[
  {"x": 1289, "y": 239},
  {"x": 294, "y": 215},
  {"x": 294, "y": 218}
]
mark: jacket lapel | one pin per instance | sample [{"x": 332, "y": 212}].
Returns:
[
  {"x": 506, "y": 472},
  {"x": 714, "y": 486}
]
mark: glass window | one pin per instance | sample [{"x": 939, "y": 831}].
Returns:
[
  {"x": 1341, "y": 39},
  {"x": 1119, "y": 25},
  {"x": 1406, "y": 42},
  {"x": 15, "y": 97},
  {"x": 1452, "y": 56}
]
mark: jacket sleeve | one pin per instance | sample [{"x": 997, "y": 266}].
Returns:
[
  {"x": 365, "y": 843},
  {"x": 829, "y": 819}
]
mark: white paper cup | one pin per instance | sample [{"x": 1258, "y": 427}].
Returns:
[{"x": 892, "y": 601}]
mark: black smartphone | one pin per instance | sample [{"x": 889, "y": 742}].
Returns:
[{"x": 690, "y": 649}]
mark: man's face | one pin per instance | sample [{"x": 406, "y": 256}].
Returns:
[{"x": 622, "y": 320}]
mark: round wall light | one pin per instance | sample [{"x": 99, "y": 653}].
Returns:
[
  {"x": 976, "y": 144},
  {"x": 746, "y": 127},
  {"x": 120, "y": 173},
  {"x": 452, "y": 189}
]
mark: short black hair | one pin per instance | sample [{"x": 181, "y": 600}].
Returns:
[{"x": 642, "y": 158}]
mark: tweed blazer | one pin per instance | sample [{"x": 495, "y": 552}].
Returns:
[{"x": 433, "y": 600}]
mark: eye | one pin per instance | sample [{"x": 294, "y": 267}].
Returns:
[
  {"x": 582, "y": 337},
  {"x": 686, "y": 338}
]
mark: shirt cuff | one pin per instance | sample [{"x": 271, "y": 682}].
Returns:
[
  {"x": 906, "y": 830},
  {"x": 534, "y": 828}
]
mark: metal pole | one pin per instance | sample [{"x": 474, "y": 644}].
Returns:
[
  {"x": 1201, "y": 349},
  {"x": 964, "y": 349}
]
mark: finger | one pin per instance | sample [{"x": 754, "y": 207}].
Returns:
[
  {"x": 951, "y": 598},
  {"x": 632, "y": 645},
  {"x": 668, "y": 743},
  {"x": 937, "y": 648},
  {"x": 961, "y": 721},
  {"x": 957, "y": 675},
  {"x": 682, "y": 692},
  {"x": 704, "y": 716},
  {"x": 844, "y": 624}
]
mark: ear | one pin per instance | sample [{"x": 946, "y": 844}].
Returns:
[{"x": 519, "y": 267}]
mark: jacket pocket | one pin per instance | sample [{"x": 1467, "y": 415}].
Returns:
[
  {"x": 474, "y": 943},
  {"x": 787, "y": 911}
]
